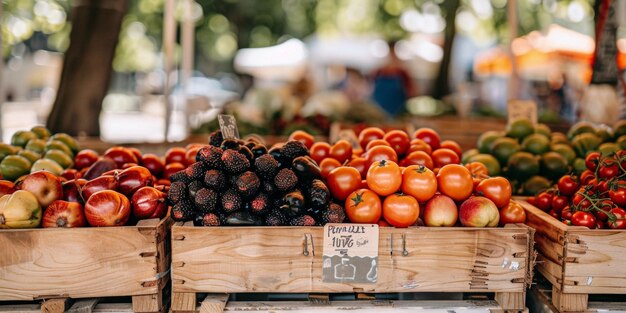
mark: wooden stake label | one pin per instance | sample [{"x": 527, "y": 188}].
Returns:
[
  {"x": 350, "y": 253},
  {"x": 518, "y": 109},
  {"x": 228, "y": 125}
]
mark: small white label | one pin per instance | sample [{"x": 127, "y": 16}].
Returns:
[
  {"x": 522, "y": 109},
  {"x": 350, "y": 253}
]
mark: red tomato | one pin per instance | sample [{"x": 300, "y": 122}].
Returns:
[
  {"x": 566, "y": 213},
  {"x": 512, "y": 213},
  {"x": 369, "y": 134},
  {"x": 341, "y": 150},
  {"x": 420, "y": 147},
  {"x": 591, "y": 161},
  {"x": 452, "y": 145},
  {"x": 455, "y": 181},
  {"x": 376, "y": 142},
  {"x": 496, "y": 189},
  {"x": 379, "y": 153},
  {"x": 328, "y": 165},
  {"x": 384, "y": 177},
  {"x": 581, "y": 218},
  {"x": 586, "y": 176},
  {"x": 302, "y": 136},
  {"x": 401, "y": 210},
  {"x": 568, "y": 185},
  {"x": 543, "y": 201},
  {"x": 383, "y": 223},
  {"x": 445, "y": 156},
  {"x": 618, "y": 219},
  {"x": 429, "y": 136},
  {"x": 419, "y": 182},
  {"x": 617, "y": 192},
  {"x": 359, "y": 164},
  {"x": 608, "y": 169},
  {"x": 342, "y": 181},
  {"x": 419, "y": 158},
  {"x": 363, "y": 206},
  {"x": 319, "y": 151},
  {"x": 479, "y": 172},
  {"x": 559, "y": 202},
  {"x": 398, "y": 140}
]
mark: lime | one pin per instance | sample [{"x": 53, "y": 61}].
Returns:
[
  {"x": 604, "y": 132},
  {"x": 6, "y": 149},
  {"x": 522, "y": 165},
  {"x": 608, "y": 148},
  {"x": 467, "y": 154},
  {"x": 565, "y": 151},
  {"x": 503, "y": 148},
  {"x": 493, "y": 167},
  {"x": 621, "y": 142},
  {"x": 579, "y": 165},
  {"x": 519, "y": 129},
  {"x": 47, "y": 165},
  {"x": 41, "y": 132},
  {"x": 543, "y": 129},
  {"x": 67, "y": 140},
  {"x": 619, "y": 128},
  {"x": 32, "y": 156},
  {"x": 580, "y": 128},
  {"x": 14, "y": 166},
  {"x": 536, "y": 144},
  {"x": 58, "y": 145},
  {"x": 21, "y": 137},
  {"x": 37, "y": 145},
  {"x": 535, "y": 185},
  {"x": 559, "y": 138},
  {"x": 584, "y": 143},
  {"x": 486, "y": 139},
  {"x": 60, "y": 157},
  {"x": 553, "y": 165}
]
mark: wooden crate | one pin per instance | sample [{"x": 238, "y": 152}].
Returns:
[
  {"x": 289, "y": 260},
  {"x": 577, "y": 261},
  {"x": 57, "y": 264}
]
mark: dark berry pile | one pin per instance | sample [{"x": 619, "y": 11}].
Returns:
[{"x": 236, "y": 182}]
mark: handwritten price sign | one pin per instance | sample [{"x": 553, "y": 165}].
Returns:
[
  {"x": 350, "y": 253},
  {"x": 228, "y": 125},
  {"x": 518, "y": 109}
]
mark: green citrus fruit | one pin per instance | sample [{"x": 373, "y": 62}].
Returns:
[
  {"x": 580, "y": 128},
  {"x": 486, "y": 139},
  {"x": 536, "y": 144},
  {"x": 579, "y": 165},
  {"x": 535, "y": 185},
  {"x": 584, "y": 143},
  {"x": 565, "y": 151},
  {"x": 41, "y": 132},
  {"x": 559, "y": 138},
  {"x": 492, "y": 164},
  {"x": 503, "y": 148},
  {"x": 14, "y": 166},
  {"x": 604, "y": 133},
  {"x": 6, "y": 149},
  {"x": 522, "y": 165},
  {"x": 621, "y": 142},
  {"x": 21, "y": 137},
  {"x": 543, "y": 129},
  {"x": 608, "y": 148},
  {"x": 60, "y": 157},
  {"x": 58, "y": 145},
  {"x": 553, "y": 165},
  {"x": 468, "y": 154},
  {"x": 32, "y": 156},
  {"x": 519, "y": 129},
  {"x": 67, "y": 140},
  {"x": 36, "y": 145}
]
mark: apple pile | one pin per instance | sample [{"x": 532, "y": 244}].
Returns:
[{"x": 594, "y": 199}]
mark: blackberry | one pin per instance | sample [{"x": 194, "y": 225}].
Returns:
[
  {"x": 211, "y": 156},
  {"x": 269, "y": 187},
  {"x": 207, "y": 219},
  {"x": 182, "y": 211},
  {"x": 215, "y": 179},
  {"x": 293, "y": 149},
  {"x": 334, "y": 214},
  {"x": 276, "y": 218},
  {"x": 266, "y": 166},
  {"x": 304, "y": 220},
  {"x": 196, "y": 171},
  {"x": 206, "y": 200},
  {"x": 247, "y": 184},
  {"x": 230, "y": 201},
  {"x": 260, "y": 204},
  {"x": 235, "y": 162},
  {"x": 180, "y": 176},
  {"x": 216, "y": 138},
  {"x": 193, "y": 188},
  {"x": 285, "y": 180},
  {"x": 177, "y": 192}
]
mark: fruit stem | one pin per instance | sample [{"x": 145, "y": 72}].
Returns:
[{"x": 61, "y": 222}]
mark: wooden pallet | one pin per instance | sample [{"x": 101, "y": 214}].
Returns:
[
  {"x": 289, "y": 260},
  {"x": 577, "y": 261},
  {"x": 58, "y": 264},
  {"x": 86, "y": 305}
]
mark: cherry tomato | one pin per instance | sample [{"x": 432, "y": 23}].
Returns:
[
  {"x": 398, "y": 140},
  {"x": 419, "y": 158},
  {"x": 618, "y": 219},
  {"x": 600, "y": 224},
  {"x": 420, "y": 145},
  {"x": 603, "y": 186},
  {"x": 608, "y": 168},
  {"x": 452, "y": 145},
  {"x": 543, "y": 201},
  {"x": 359, "y": 164},
  {"x": 327, "y": 165},
  {"x": 429, "y": 136},
  {"x": 566, "y": 213},
  {"x": 379, "y": 153},
  {"x": 401, "y": 210},
  {"x": 496, "y": 189},
  {"x": 568, "y": 185},
  {"x": 384, "y": 177},
  {"x": 444, "y": 156},
  {"x": 479, "y": 172},
  {"x": 304, "y": 137},
  {"x": 617, "y": 193},
  {"x": 319, "y": 151},
  {"x": 512, "y": 213},
  {"x": 592, "y": 160},
  {"x": 342, "y": 181},
  {"x": 369, "y": 134},
  {"x": 363, "y": 206},
  {"x": 376, "y": 142},
  {"x": 419, "y": 182},
  {"x": 581, "y": 218},
  {"x": 555, "y": 214},
  {"x": 341, "y": 150},
  {"x": 559, "y": 202},
  {"x": 586, "y": 176},
  {"x": 455, "y": 181}
]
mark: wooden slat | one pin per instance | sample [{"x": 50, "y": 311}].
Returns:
[
  {"x": 84, "y": 306},
  {"x": 569, "y": 302},
  {"x": 148, "y": 303},
  {"x": 551, "y": 271},
  {"x": 54, "y": 305},
  {"x": 183, "y": 302},
  {"x": 544, "y": 223},
  {"x": 214, "y": 303},
  {"x": 511, "y": 300},
  {"x": 262, "y": 259},
  {"x": 366, "y": 306}
]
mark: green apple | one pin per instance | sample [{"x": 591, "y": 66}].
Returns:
[
  {"x": 60, "y": 157},
  {"x": 47, "y": 165},
  {"x": 14, "y": 166},
  {"x": 58, "y": 145},
  {"x": 37, "y": 145},
  {"x": 41, "y": 132},
  {"x": 67, "y": 140},
  {"x": 21, "y": 137}
]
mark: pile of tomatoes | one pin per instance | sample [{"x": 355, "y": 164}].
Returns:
[{"x": 595, "y": 199}]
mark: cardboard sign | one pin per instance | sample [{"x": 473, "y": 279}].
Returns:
[
  {"x": 228, "y": 125},
  {"x": 518, "y": 109},
  {"x": 350, "y": 136},
  {"x": 350, "y": 253}
]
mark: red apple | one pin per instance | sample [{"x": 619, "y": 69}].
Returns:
[
  {"x": 133, "y": 178},
  {"x": 440, "y": 210},
  {"x": 6, "y": 187},
  {"x": 101, "y": 166},
  {"x": 153, "y": 163},
  {"x": 172, "y": 168},
  {"x": 479, "y": 212},
  {"x": 175, "y": 155},
  {"x": 64, "y": 214},
  {"x": 69, "y": 173},
  {"x": 148, "y": 202},
  {"x": 107, "y": 208},
  {"x": 44, "y": 185},
  {"x": 72, "y": 190},
  {"x": 85, "y": 158},
  {"x": 104, "y": 182},
  {"x": 120, "y": 155},
  {"x": 190, "y": 155},
  {"x": 135, "y": 152}
]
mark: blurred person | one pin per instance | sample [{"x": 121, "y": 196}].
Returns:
[{"x": 393, "y": 84}]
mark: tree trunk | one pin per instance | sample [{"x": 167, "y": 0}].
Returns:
[
  {"x": 87, "y": 66},
  {"x": 442, "y": 87}
]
